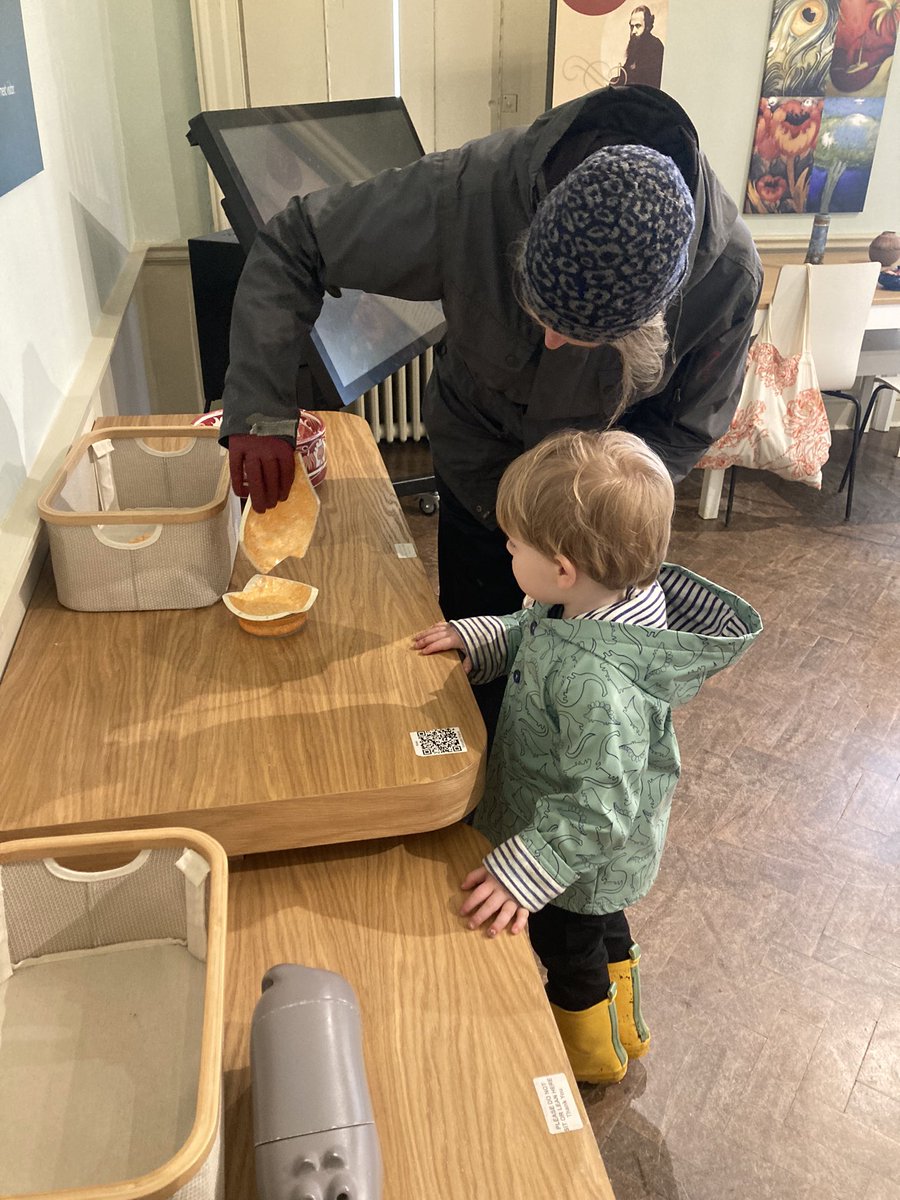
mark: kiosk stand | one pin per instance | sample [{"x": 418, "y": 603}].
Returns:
[{"x": 261, "y": 158}]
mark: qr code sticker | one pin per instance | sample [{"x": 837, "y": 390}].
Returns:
[{"x": 438, "y": 741}]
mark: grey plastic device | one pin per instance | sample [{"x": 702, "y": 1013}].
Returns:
[{"x": 313, "y": 1127}]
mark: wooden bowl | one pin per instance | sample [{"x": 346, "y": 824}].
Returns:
[
  {"x": 271, "y": 607},
  {"x": 280, "y": 627}
]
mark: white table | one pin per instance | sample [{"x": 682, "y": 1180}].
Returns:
[{"x": 881, "y": 359}]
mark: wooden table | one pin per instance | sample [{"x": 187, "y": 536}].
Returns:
[
  {"x": 123, "y": 720},
  {"x": 456, "y": 1026},
  {"x": 131, "y": 719}
]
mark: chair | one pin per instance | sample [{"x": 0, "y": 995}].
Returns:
[
  {"x": 880, "y": 357},
  {"x": 840, "y": 300}
]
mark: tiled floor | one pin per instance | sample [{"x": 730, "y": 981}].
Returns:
[{"x": 771, "y": 941}]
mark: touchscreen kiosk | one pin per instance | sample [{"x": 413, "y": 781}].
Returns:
[{"x": 261, "y": 157}]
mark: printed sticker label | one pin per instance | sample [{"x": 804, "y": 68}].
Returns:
[
  {"x": 438, "y": 741},
  {"x": 558, "y": 1103}
]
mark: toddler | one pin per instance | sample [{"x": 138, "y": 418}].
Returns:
[{"x": 584, "y": 760}]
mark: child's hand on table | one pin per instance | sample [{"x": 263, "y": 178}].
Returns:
[
  {"x": 441, "y": 637},
  {"x": 490, "y": 898}
]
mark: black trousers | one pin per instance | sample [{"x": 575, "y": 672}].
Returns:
[
  {"x": 475, "y": 578},
  {"x": 576, "y": 949}
]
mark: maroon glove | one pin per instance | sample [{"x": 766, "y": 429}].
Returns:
[{"x": 261, "y": 467}]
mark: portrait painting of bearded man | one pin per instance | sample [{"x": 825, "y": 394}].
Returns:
[{"x": 644, "y": 52}]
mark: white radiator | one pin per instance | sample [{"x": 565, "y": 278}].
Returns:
[{"x": 394, "y": 408}]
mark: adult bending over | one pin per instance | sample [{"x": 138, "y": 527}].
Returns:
[{"x": 592, "y": 271}]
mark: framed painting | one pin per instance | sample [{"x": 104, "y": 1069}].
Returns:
[
  {"x": 594, "y": 43},
  {"x": 827, "y": 68}
]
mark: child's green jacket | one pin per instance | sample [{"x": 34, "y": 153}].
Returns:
[{"x": 585, "y": 760}]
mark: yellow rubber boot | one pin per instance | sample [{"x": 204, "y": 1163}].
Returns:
[
  {"x": 634, "y": 1034},
  {"x": 591, "y": 1039}
]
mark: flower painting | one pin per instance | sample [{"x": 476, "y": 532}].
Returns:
[
  {"x": 780, "y": 169},
  {"x": 827, "y": 67}
]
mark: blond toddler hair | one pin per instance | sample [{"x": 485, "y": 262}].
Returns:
[{"x": 602, "y": 500}]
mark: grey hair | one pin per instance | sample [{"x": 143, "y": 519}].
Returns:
[{"x": 642, "y": 353}]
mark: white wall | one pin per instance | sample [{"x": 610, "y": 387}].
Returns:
[
  {"x": 463, "y": 47},
  {"x": 65, "y": 233},
  {"x": 522, "y": 32},
  {"x": 156, "y": 93}
]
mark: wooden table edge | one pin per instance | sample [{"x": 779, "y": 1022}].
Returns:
[{"x": 275, "y": 825}]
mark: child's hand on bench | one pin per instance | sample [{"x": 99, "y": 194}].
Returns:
[
  {"x": 441, "y": 637},
  {"x": 490, "y": 899}
]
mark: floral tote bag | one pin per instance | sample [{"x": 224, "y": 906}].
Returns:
[{"x": 780, "y": 424}]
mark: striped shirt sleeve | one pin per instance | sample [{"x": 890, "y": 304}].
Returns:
[
  {"x": 486, "y": 640},
  {"x": 512, "y": 864}
]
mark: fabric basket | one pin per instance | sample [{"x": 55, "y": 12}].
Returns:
[
  {"x": 111, "y": 989},
  {"x": 134, "y": 526},
  {"x": 780, "y": 424}
]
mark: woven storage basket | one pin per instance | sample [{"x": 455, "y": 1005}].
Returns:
[
  {"x": 135, "y": 527},
  {"x": 111, "y": 989}
]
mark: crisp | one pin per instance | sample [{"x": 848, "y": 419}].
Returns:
[
  {"x": 284, "y": 531},
  {"x": 266, "y": 598}
]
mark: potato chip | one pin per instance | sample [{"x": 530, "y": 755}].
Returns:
[
  {"x": 267, "y": 598},
  {"x": 284, "y": 531}
]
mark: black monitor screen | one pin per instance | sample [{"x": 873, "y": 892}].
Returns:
[
  {"x": 284, "y": 158},
  {"x": 261, "y": 157}
]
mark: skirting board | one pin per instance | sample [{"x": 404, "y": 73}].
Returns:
[
  {"x": 787, "y": 242},
  {"x": 23, "y": 540}
]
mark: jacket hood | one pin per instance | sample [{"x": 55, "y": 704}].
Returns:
[
  {"x": 709, "y": 629},
  {"x": 564, "y": 136}
]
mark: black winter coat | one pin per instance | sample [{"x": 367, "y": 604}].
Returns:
[{"x": 443, "y": 228}]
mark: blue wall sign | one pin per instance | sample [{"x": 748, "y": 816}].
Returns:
[{"x": 20, "y": 146}]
